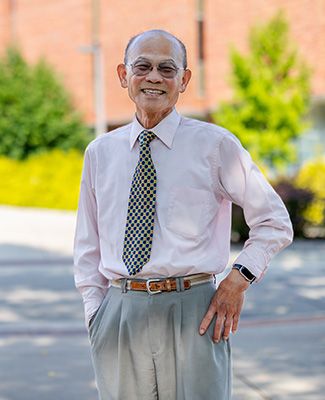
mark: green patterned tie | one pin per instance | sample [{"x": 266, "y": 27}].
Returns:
[{"x": 141, "y": 209}]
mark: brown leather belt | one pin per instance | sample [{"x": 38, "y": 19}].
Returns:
[{"x": 159, "y": 285}]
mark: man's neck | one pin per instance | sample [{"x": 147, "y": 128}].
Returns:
[{"x": 148, "y": 120}]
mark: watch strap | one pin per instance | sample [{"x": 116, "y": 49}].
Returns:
[{"x": 245, "y": 272}]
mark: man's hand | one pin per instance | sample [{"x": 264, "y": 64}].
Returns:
[{"x": 226, "y": 303}]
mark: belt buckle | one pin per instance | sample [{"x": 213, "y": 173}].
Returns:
[{"x": 148, "y": 286}]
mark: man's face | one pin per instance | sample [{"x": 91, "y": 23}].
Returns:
[{"x": 154, "y": 93}]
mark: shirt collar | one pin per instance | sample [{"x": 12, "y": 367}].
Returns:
[{"x": 165, "y": 130}]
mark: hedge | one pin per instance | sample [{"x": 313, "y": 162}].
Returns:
[
  {"x": 312, "y": 177},
  {"x": 50, "y": 179}
]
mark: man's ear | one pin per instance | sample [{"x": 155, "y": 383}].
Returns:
[
  {"x": 121, "y": 71},
  {"x": 185, "y": 80}
]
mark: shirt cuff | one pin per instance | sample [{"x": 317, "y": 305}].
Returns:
[
  {"x": 254, "y": 260},
  {"x": 92, "y": 299}
]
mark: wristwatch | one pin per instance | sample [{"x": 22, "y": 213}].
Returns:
[{"x": 245, "y": 272}]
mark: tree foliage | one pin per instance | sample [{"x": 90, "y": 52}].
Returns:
[
  {"x": 271, "y": 92},
  {"x": 36, "y": 112}
]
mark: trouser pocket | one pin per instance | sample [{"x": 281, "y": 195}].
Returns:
[{"x": 96, "y": 318}]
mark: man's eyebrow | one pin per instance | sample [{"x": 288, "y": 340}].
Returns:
[{"x": 140, "y": 58}]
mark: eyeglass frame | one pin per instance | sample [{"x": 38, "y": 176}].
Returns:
[{"x": 152, "y": 67}]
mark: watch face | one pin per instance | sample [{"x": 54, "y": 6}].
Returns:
[{"x": 245, "y": 272}]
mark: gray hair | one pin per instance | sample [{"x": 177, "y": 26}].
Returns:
[{"x": 161, "y": 32}]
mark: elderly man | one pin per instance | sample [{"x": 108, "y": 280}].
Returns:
[{"x": 153, "y": 231}]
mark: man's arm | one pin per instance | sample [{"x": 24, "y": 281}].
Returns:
[
  {"x": 88, "y": 280},
  {"x": 240, "y": 181}
]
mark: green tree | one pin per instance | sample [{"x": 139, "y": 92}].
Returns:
[
  {"x": 36, "y": 112},
  {"x": 271, "y": 93}
]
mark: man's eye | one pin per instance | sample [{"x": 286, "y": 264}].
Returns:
[
  {"x": 167, "y": 69},
  {"x": 142, "y": 67}
]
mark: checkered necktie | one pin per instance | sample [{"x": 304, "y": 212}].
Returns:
[{"x": 141, "y": 209}]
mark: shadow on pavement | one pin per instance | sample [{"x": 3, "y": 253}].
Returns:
[{"x": 44, "y": 349}]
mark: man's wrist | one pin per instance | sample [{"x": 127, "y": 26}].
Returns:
[{"x": 235, "y": 280}]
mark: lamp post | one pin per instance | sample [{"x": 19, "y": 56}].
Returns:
[{"x": 95, "y": 49}]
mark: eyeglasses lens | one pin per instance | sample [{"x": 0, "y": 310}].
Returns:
[{"x": 165, "y": 70}]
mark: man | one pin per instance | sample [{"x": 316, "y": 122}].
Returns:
[{"x": 153, "y": 229}]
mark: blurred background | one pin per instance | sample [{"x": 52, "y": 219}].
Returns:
[{"x": 259, "y": 70}]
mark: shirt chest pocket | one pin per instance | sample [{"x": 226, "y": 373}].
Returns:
[{"x": 189, "y": 211}]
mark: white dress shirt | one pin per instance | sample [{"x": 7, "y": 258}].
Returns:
[{"x": 201, "y": 169}]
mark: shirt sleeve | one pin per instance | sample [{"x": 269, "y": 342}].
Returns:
[
  {"x": 241, "y": 182},
  {"x": 86, "y": 251}
]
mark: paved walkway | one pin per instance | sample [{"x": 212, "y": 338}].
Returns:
[{"x": 279, "y": 351}]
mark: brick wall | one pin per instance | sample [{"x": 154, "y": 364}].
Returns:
[
  {"x": 4, "y": 23},
  {"x": 230, "y": 25},
  {"x": 57, "y": 29}
]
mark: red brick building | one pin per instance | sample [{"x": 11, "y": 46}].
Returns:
[{"x": 61, "y": 30}]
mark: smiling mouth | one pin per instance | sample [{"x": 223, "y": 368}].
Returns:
[{"x": 153, "y": 91}]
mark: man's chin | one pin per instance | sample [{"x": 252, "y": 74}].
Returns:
[{"x": 151, "y": 107}]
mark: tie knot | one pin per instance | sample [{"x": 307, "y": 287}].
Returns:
[{"x": 146, "y": 137}]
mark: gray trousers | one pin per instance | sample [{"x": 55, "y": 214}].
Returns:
[{"x": 147, "y": 347}]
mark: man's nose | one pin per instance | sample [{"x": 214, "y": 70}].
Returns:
[{"x": 154, "y": 75}]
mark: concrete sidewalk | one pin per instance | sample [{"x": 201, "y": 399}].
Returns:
[{"x": 278, "y": 353}]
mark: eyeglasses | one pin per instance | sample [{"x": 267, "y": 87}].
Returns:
[{"x": 166, "y": 70}]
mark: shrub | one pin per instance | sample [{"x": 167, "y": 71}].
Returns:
[
  {"x": 271, "y": 90},
  {"x": 50, "y": 179},
  {"x": 36, "y": 112},
  {"x": 297, "y": 200},
  {"x": 312, "y": 177}
]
